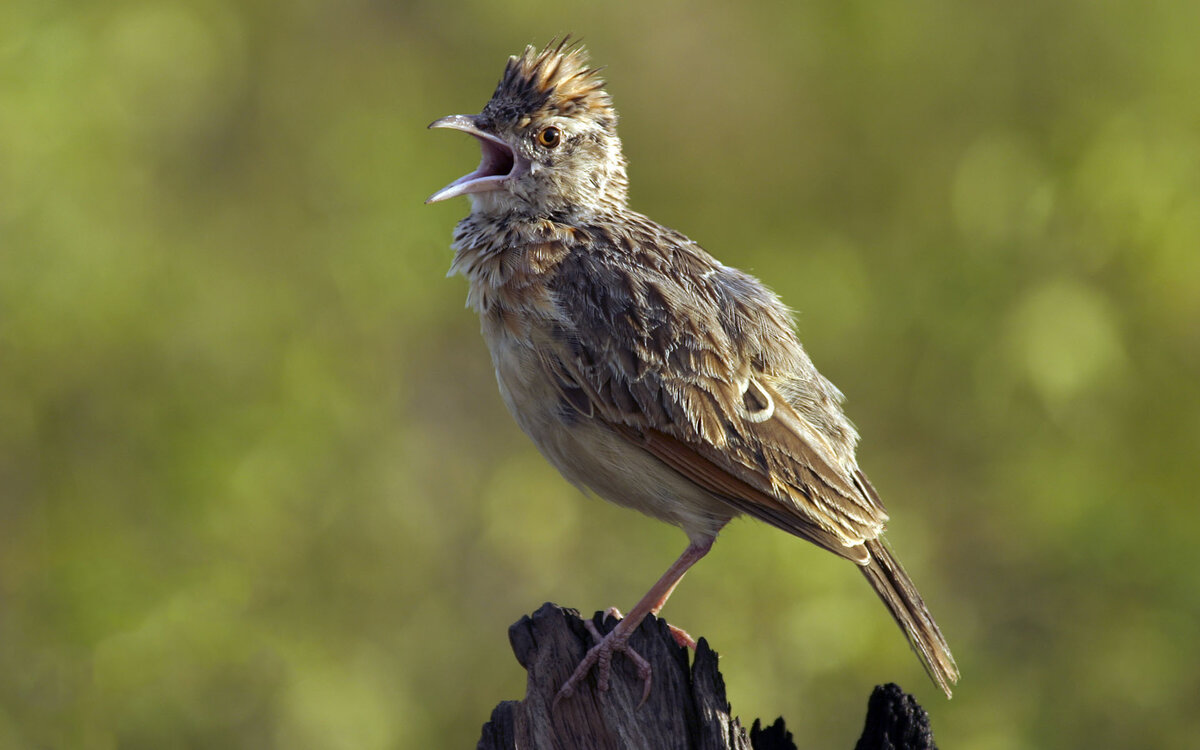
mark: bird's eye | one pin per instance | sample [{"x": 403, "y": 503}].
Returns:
[{"x": 549, "y": 137}]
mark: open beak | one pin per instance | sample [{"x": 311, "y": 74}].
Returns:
[{"x": 498, "y": 163}]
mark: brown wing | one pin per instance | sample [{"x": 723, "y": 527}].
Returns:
[
  {"x": 740, "y": 494},
  {"x": 655, "y": 355}
]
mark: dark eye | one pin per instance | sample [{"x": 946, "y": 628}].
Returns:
[{"x": 549, "y": 137}]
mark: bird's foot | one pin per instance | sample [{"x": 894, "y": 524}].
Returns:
[
  {"x": 681, "y": 636},
  {"x": 600, "y": 657}
]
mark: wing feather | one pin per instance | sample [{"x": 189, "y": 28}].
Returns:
[{"x": 729, "y": 406}]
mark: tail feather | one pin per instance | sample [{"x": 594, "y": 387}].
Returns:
[{"x": 897, "y": 591}]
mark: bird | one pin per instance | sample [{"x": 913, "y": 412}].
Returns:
[{"x": 644, "y": 369}]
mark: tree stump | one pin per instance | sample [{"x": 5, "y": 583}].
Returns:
[{"x": 687, "y": 708}]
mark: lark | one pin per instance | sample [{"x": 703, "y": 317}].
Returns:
[{"x": 643, "y": 368}]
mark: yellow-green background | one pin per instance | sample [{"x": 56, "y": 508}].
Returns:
[{"x": 257, "y": 488}]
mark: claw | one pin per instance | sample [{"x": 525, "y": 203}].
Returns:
[{"x": 682, "y": 637}]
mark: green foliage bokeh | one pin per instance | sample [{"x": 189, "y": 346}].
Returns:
[{"x": 257, "y": 488}]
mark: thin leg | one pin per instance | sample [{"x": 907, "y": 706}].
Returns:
[
  {"x": 618, "y": 638},
  {"x": 681, "y": 636}
]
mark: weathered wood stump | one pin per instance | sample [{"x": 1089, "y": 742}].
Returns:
[{"x": 687, "y": 707}]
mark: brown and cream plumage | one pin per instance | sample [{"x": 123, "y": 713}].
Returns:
[{"x": 643, "y": 368}]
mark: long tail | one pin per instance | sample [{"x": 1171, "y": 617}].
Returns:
[{"x": 897, "y": 591}]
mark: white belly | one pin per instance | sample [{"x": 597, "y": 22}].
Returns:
[{"x": 591, "y": 455}]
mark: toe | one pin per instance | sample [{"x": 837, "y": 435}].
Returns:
[{"x": 600, "y": 656}]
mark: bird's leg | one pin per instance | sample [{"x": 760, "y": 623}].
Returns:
[
  {"x": 600, "y": 655},
  {"x": 682, "y": 636}
]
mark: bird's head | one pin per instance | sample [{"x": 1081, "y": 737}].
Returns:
[{"x": 549, "y": 140}]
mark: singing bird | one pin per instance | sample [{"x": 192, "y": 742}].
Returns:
[{"x": 643, "y": 368}]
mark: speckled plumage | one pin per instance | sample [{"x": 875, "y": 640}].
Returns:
[{"x": 641, "y": 367}]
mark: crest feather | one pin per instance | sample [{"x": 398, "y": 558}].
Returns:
[{"x": 554, "y": 80}]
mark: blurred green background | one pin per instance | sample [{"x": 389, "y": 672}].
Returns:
[{"x": 257, "y": 488}]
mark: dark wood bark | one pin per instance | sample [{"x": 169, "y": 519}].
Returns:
[
  {"x": 895, "y": 721},
  {"x": 687, "y": 708}
]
